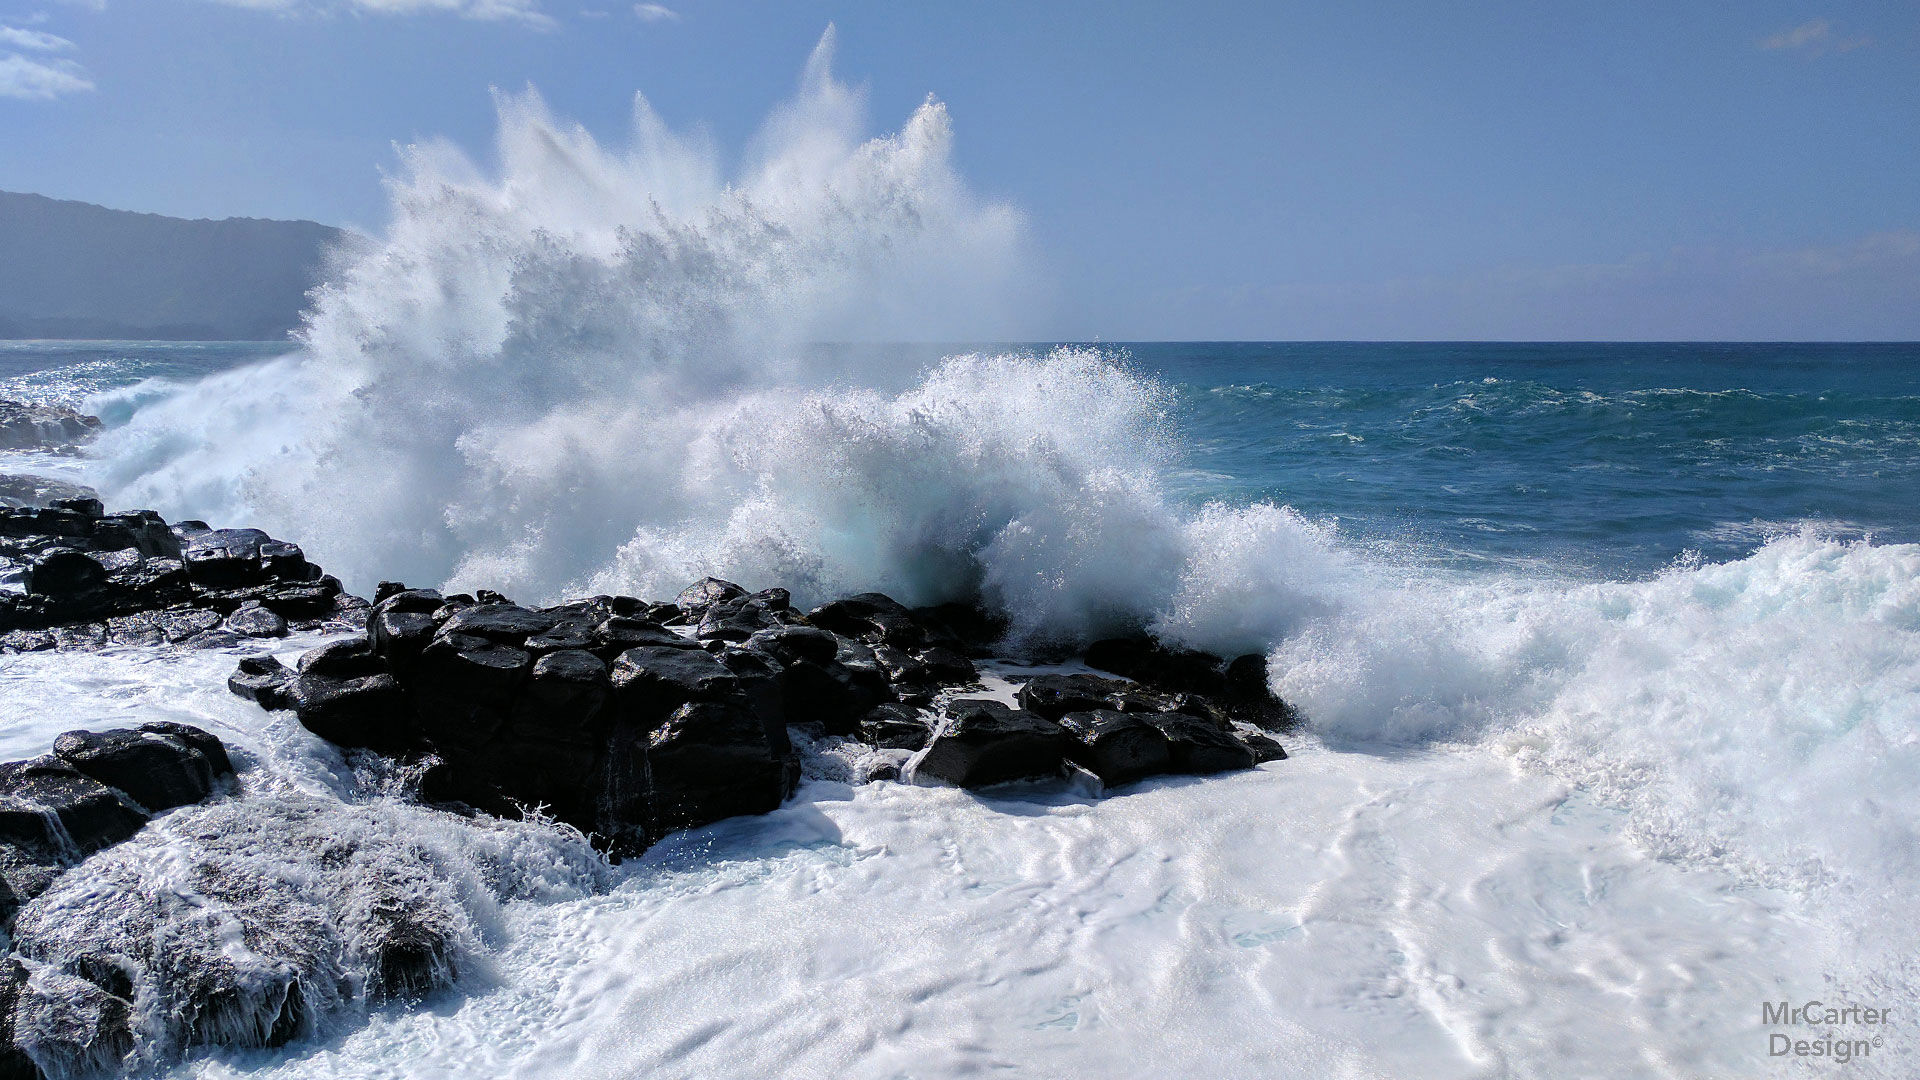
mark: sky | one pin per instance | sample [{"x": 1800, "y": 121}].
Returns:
[{"x": 1366, "y": 170}]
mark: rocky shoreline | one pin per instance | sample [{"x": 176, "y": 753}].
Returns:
[{"x": 609, "y": 721}]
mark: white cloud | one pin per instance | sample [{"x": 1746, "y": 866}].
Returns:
[
  {"x": 527, "y": 11},
  {"x": 32, "y": 40},
  {"x": 1815, "y": 38},
  {"x": 656, "y": 13},
  {"x": 40, "y": 78}
]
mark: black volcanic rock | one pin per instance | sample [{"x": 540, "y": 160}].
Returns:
[
  {"x": 95, "y": 790},
  {"x": 895, "y": 726},
  {"x": 1117, "y": 747},
  {"x": 49, "y": 806},
  {"x": 1146, "y": 661},
  {"x": 366, "y": 711},
  {"x": 984, "y": 742},
  {"x": 253, "y": 620},
  {"x": 1054, "y": 696},
  {"x": 94, "y": 578},
  {"x": 696, "y": 598},
  {"x": 65, "y": 573},
  {"x": 156, "y": 767},
  {"x": 1263, "y": 748},
  {"x": 27, "y": 426},
  {"x": 504, "y": 623},
  {"x": 711, "y": 760},
  {"x": 600, "y": 716},
  {"x": 652, "y": 681},
  {"x": 1199, "y": 746}
]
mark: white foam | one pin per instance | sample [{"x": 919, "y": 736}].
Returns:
[{"x": 586, "y": 372}]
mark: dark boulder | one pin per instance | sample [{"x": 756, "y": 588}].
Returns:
[
  {"x": 894, "y": 726},
  {"x": 461, "y": 667},
  {"x": 1053, "y": 696},
  {"x": 1246, "y": 689},
  {"x": 573, "y": 631},
  {"x": 984, "y": 742},
  {"x": 1262, "y": 748},
  {"x": 1146, "y": 661},
  {"x": 65, "y": 573},
  {"x": 157, "y": 767},
  {"x": 503, "y": 623},
  {"x": 142, "y": 531},
  {"x": 47, "y": 805},
  {"x": 789, "y": 644},
  {"x": 711, "y": 760},
  {"x": 697, "y": 597},
  {"x": 1117, "y": 747},
  {"x": 735, "y": 621},
  {"x": 342, "y": 658},
  {"x": 365, "y": 711},
  {"x": 208, "y": 744},
  {"x": 14, "y": 1062},
  {"x": 650, "y": 682},
  {"x": 834, "y": 694},
  {"x": 965, "y": 628},
  {"x": 564, "y": 695},
  {"x": 265, "y": 680},
  {"x": 29, "y": 426},
  {"x": 398, "y": 636},
  {"x": 1199, "y": 746},
  {"x": 256, "y": 621},
  {"x": 874, "y": 618},
  {"x": 85, "y": 505},
  {"x": 948, "y": 667},
  {"x": 417, "y": 601},
  {"x": 759, "y": 676},
  {"x": 223, "y": 558},
  {"x": 156, "y": 581},
  {"x": 308, "y": 600},
  {"x": 618, "y": 633}
]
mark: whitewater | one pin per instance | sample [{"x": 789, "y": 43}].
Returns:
[{"x": 1544, "y": 820}]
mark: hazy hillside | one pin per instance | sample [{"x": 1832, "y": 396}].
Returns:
[{"x": 75, "y": 270}]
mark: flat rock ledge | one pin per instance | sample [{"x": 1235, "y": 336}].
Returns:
[
  {"x": 79, "y": 577},
  {"x": 630, "y": 720}
]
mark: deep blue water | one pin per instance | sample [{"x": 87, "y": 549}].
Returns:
[
  {"x": 1614, "y": 458},
  {"x": 1596, "y": 458}
]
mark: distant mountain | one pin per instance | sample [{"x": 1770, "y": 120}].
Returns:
[{"x": 75, "y": 270}]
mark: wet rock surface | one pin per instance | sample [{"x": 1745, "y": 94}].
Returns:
[
  {"x": 85, "y": 578},
  {"x": 629, "y": 720},
  {"x": 96, "y": 789},
  {"x": 29, "y": 426},
  {"x": 250, "y": 922}
]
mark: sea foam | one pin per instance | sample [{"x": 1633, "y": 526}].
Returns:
[{"x": 588, "y": 370}]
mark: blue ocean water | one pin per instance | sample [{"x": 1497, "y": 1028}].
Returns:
[
  {"x": 1602, "y": 460},
  {"x": 1610, "y": 458}
]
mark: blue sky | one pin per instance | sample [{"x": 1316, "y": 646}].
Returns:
[{"x": 1363, "y": 170}]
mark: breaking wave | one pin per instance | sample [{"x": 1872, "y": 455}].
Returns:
[{"x": 590, "y": 370}]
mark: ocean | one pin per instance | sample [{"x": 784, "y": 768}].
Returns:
[{"x": 1609, "y": 657}]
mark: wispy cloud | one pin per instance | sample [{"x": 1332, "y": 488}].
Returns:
[
  {"x": 1815, "y": 38},
  {"x": 32, "y": 40},
  {"x": 524, "y": 11},
  {"x": 36, "y": 78},
  {"x": 656, "y": 13}
]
